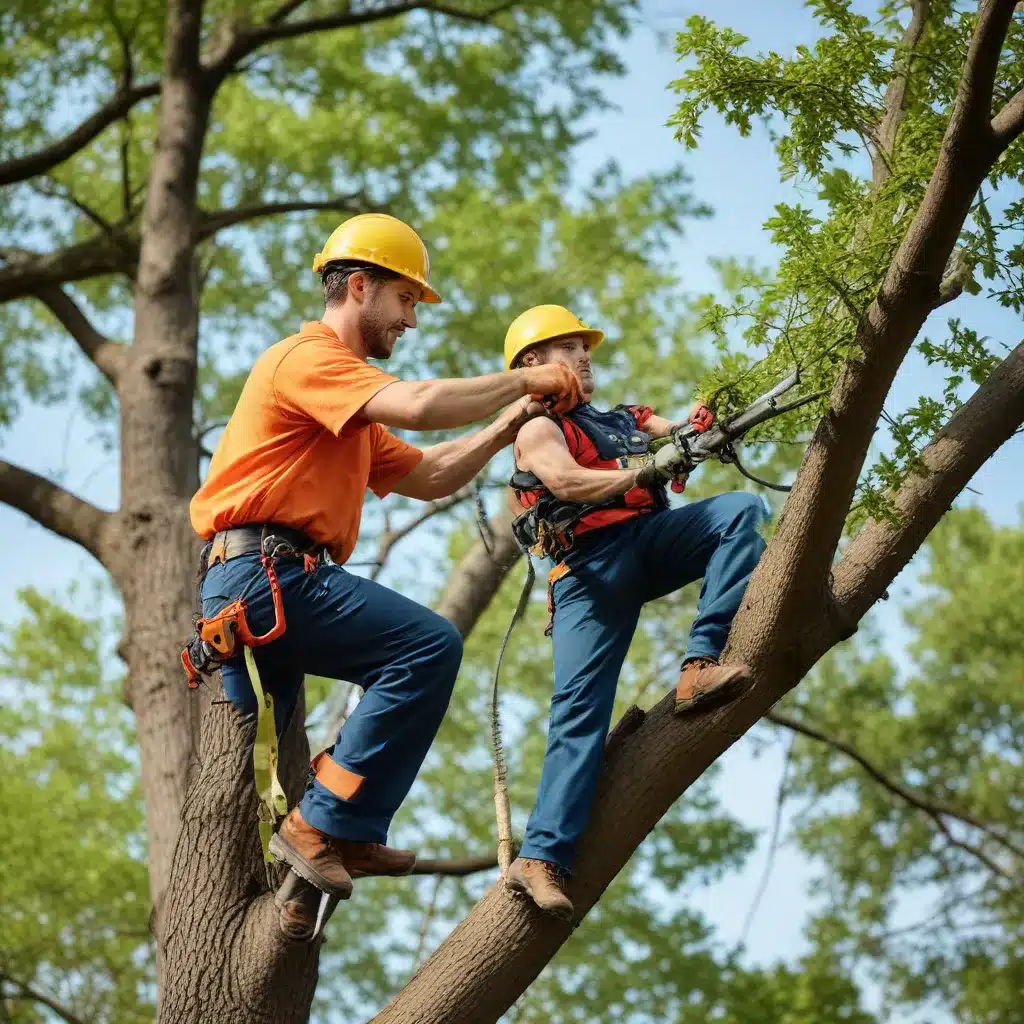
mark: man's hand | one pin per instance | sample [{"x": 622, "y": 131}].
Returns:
[
  {"x": 517, "y": 414},
  {"x": 701, "y": 417},
  {"x": 553, "y": 380},
  {"x": 665, "y": 464}
]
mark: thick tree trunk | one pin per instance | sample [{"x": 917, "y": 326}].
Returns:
[
  {"x": 476, "y": 579},
  {"x": 226, "y": 959},
  {"x": 496, "y": 953},
  {"x": 156, "y": 562},
  {"x": 157, "y": 556}
]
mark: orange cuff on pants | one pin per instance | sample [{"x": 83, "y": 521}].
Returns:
[{"x": 340, "y": 781}]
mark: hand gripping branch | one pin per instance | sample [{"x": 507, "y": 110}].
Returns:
[{"x": 687, "y": 448}]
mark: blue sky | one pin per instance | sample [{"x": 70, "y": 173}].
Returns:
[{"x": 737, "y": 178}]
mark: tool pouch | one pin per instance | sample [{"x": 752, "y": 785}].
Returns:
[{"x": 216, "y": 638}]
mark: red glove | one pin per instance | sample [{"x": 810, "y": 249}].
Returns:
[{"x": 701, "y": 417}]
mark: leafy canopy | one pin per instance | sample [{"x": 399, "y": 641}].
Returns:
[{"x": 865, "y": 170}]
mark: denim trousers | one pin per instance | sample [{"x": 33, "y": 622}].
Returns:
[
  {"x": 343, "y": 626},
  {"x": 615, "y": 571}
]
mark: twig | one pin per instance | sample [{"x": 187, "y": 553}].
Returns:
[
  {"x": 456, "y": 867},
  {"x": 52, "y": 191},
  {"x": 27, "y": 992},
  {"x": 391, "y": 537},
  {"x": 773, "y": 847},
  {"x": 933, "y": 807},
  {"x": 108, "y": 356},
  {"x": 428, "y": 917},
  {"x": 969, "y": 847}
]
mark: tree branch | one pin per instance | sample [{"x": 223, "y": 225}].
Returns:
[
  {"x": 970, "y": 848},
  {"x": 53, "y": 191},
  {"x": 54, "y": 508},
  {"x": 27, "y": 992},
  {"x": 881, "y": 550},
  {"x": 108, "y": 356},
  {"x": 277, "y": 27},
  {"x": 974, "y": 96},
  {"x": 211, "y": 223},
  {"x": 894, "y": 104},
  {"x": 27, "y": 272},
  {"x": 20, "y": 168},
  {"x": 1009, "y": 122},
  {"x": 477, "y": 577},
  {"x": 932, "y": 806},
  {"x": 391, "y": 537},
  {"x": 284, "y": 10},
  {"x": 458, "y": 867},
  {"x": 793, "y": 575}
]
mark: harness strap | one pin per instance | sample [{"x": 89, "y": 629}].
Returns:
[
  {"x": 273, "y": 803},
  {"x": 217, "y": 639}
]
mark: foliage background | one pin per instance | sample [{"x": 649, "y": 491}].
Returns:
[{"x": 665, "y": 943}]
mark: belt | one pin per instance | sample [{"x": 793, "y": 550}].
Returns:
[{"x": 265, "y": 538}]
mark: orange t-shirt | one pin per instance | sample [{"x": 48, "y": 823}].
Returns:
[{"x": 297, "y": 452}]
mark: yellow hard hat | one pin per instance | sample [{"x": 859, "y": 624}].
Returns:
[
  {"x": 544, "y": 323},
  {"x": 384, "y": 241}
]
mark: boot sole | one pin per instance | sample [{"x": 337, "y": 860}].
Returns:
[
  {"x": 305, "y": 870},
  {"x": 562, "y": 913},
  {"x": 721, "y": 694},
  {"x": 382, "y": 874}
]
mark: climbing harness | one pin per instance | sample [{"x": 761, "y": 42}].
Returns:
[
  {"x": 547, "y": 528},
  {"x": 608, "y": 440},
  {"x": 216, "y": 639}
]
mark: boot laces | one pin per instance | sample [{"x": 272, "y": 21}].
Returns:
[
  {"x": 555, "y": 873},
  {"x": 702, "y": 661}
]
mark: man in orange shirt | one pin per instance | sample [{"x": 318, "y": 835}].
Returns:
[{"x": 307, "y": 437}]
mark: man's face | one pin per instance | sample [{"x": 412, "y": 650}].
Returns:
[
  {"x": 388, "y": 310},
  {"x": 574, "y": 351}
]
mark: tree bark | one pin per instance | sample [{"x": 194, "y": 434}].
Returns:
[
  {"x": 226, "y": 959},
  {"x": 881, "y": 550},
  {"x": 476, "y": 579},
  {"x": 157, "y": 557}
]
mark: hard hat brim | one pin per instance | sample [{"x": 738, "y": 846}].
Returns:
[
  {"x": 591, "y": 334},
  {"x": 429, "y": 295}
]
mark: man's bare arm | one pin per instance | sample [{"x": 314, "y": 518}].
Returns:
[
  {"x": 455, "y": 402},
  {"x": 450, "y": 465},
  {"x": 659, "y": 426},
  {"x": 541, "y": 449}
]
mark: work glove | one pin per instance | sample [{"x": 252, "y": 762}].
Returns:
[
  {"x": 555, "y": 385},
  {"x": 667, "y": 463}
]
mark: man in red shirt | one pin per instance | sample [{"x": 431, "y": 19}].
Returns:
[
  {"x": 288, "y": 477},
  {"x": 616, "y": 545}
]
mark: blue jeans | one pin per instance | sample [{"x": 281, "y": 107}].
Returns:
[
  {"x": 342, "y": 626},
  {"x": 615, "y": 571}
]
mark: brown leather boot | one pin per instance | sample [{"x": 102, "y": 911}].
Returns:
[
  {"x": 362, "y": 859},
  {"x": 544, "y": 882},
  {"x": 312, "y": 855},
  {"x": 705, "y": 683}
]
